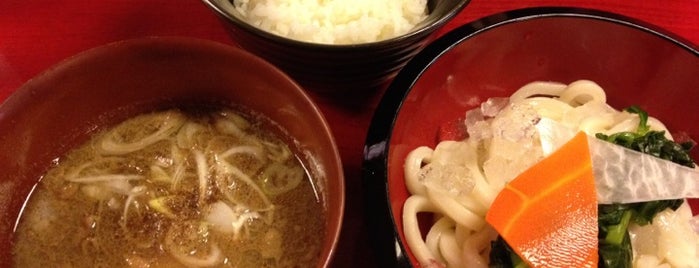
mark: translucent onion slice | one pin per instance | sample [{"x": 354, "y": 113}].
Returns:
[
  {"x": 623, "y": 175},
  {"x": 185, "y": 136},
  {"x": 202, "y": 174},
  {"x": 130, "y": 199},
  {"x": 158, "y": 174},
  {"x": 244, "y": 149},
  {"x": 105, "y": 178},
  {"x": 277, "y": 152},
  {"x": 180, "y": 167},
  {"x": 162, "y": 126},
  {"x": 278, "y": 178},
  {"x": 233, "y": 124},
  {"x": 229, "y": 220},
  {"x": 238, "y": 187},
  {"x": 188, "y": 243},
  {"x": 100, "y": 165}
]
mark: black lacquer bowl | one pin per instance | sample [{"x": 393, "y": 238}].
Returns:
[
  {"x": 337, "y": 68},
  {"x": 636, "y": 63}
]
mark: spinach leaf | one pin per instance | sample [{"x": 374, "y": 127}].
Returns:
[
  {"x": 613, "y": 220},
  {"x": 616, "y": 255},
  {"x": 503, "y": 256},
  {"x": 615, "y": 249},
  {"x": 645, "y": 211},
  {"x": 651, "y": 142}
]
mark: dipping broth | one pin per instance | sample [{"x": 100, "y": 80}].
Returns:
[{"x": 175, "y": 189}]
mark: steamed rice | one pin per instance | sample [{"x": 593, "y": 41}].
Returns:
[{"x": 334, "y": 21}]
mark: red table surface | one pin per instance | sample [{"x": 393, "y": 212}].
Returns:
[{"x": 36, "y": 34}]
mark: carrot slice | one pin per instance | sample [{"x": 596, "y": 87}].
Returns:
[{"x": 548, "y": 214}]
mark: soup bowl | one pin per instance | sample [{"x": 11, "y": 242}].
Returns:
[
  {"x": 336, "y": 67},
  {"x": 62, "y": 107},
  {"x": 636, "y": 63}
]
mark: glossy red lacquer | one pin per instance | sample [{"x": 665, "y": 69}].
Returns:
[
  {"x": 60, "y": 108},
  {"x": 495, "y": 56}
]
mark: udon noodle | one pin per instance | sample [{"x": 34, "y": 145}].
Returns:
[{"x": 457, "y": 181}]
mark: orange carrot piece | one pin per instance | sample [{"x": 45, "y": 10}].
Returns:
[{"x": 548, "y": 214}]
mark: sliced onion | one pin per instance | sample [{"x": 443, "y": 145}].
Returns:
[
  {"x": 172, "y": 246},
  {"x": 168, "y": 122},
  {"x": 104, "y": 178},
  {"x": 179, "y": 168},
  {"x": 230, "y": 220},
  {"x": 96, "y": 192},
  {"x": 225, "y": 172},
  {"x": 185, "y": 136},
  {"x": 158, "y": 174},
  {"x": 101, "y": 165},
  {"x": 251, "y": 150},
  {"x": 232, "y": 124},
  {"x": 277, "y": 152},
  {"x": 278, "y": 178},
  {"x": 135, "y": 192},
  {"x": 122, "y": 187},
  {"x": 202, "y": 174}
]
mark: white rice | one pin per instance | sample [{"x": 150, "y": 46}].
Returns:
[{"x": 334, "y": 21}]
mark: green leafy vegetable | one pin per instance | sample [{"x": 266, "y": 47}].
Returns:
[
  {"x": 644, "y": 212},
  {"x": 613, "y": 220},
  {"x": 651, "y": 142},
  {"x": 615, "y": 243},
  {"x": 503, "y": 256}
]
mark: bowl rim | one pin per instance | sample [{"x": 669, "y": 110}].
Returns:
[
  {"x": 17, "y": 99},
  {"x": 284, "y": 41},
  {"x": 391, "y": 248}
]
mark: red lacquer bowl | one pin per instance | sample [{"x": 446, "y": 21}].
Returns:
[
  {"x": 60, "y": 108},
  {"x": 634, "y": 62}
]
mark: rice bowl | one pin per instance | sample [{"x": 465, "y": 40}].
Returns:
[{"x": 333, "y": 22}]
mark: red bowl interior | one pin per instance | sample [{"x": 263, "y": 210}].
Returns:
[
  {"x": 633, "y": 64},
  {"x": 60, "y": 108}
]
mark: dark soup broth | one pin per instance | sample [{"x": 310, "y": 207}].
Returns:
[{"x": 175, "y": 189}]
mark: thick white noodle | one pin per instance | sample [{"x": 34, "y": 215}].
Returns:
[
  {"x": 583, "y": 91},
  {"x": 450, "y": 249},
  {"x": 538, "y": 88},
  {"x": 476, "y": 246},
  {"x": 412, "y": 206},
  {"x": 435, "y": 235},
  {"x": 453, "y": 209},
  {"x": 548, "y": 107},
  {"x": 460, "y": 237},
  {"x": 414, "y": 162}
]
